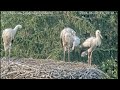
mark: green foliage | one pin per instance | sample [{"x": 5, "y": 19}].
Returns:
[
  {"x": 111, "y": 68},
  {"x": 40, "y": 35}
]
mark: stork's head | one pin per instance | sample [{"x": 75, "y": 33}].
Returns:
[
  {"x": 98, "y": 33},
  {"x": 19, "y": 26}
]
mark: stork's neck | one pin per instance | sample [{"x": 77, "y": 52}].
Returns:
[
  {"x": 98, "y": 37},
  {"x": 98, "y": 40},
  {"x": 16, "y": 28}
]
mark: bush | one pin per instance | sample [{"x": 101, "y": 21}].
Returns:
[
  {"x": 40, "y": 35},
  {"x": 110, "y": 67}
]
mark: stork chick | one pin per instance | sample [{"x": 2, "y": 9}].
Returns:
[
  {"x": 68, "y": 40},
  {"x": 8, "y": 37},
  {"x": 91, "y": 43}
]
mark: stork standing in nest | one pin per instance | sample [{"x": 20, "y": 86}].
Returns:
[
  {"x": 8, "y": 37},
  {"x": 69, "y": 40},
  {"x": 91, "y": 43}
]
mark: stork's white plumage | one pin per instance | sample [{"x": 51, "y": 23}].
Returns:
[
  {"x": 76, "y": 41},
  {"x": 68, "y": 39},
  {"x": 91, "y": 43},
  {"x": 67, "y": 30},
  {"x": 8, "y": 36}
]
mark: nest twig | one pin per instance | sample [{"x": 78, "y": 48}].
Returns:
[{"x": 48, "y": 69}]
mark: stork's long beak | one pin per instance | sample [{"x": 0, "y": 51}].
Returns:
[{"x": 101, "y": 36}]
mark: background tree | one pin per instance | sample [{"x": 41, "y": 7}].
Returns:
[{"x": 40, "y": 35}]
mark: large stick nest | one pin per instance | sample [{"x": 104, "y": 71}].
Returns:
[{"x": 25, "y": 68}]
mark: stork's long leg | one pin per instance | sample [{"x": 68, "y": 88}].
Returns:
[
  {"x": 64, "y": 56},
  {"x": 5, "y": 54},
  {"x": 64, "y": 53},
  {"x": 90, "y": 58},
  {"x": 9, "y": 51},
  {"x": 5, "y": 48},
  {"x": 90, "y": 50},
  {"x": 68, "y": 54}
]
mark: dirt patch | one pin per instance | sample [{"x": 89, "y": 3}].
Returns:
[{"x": 26, "y": 68}]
